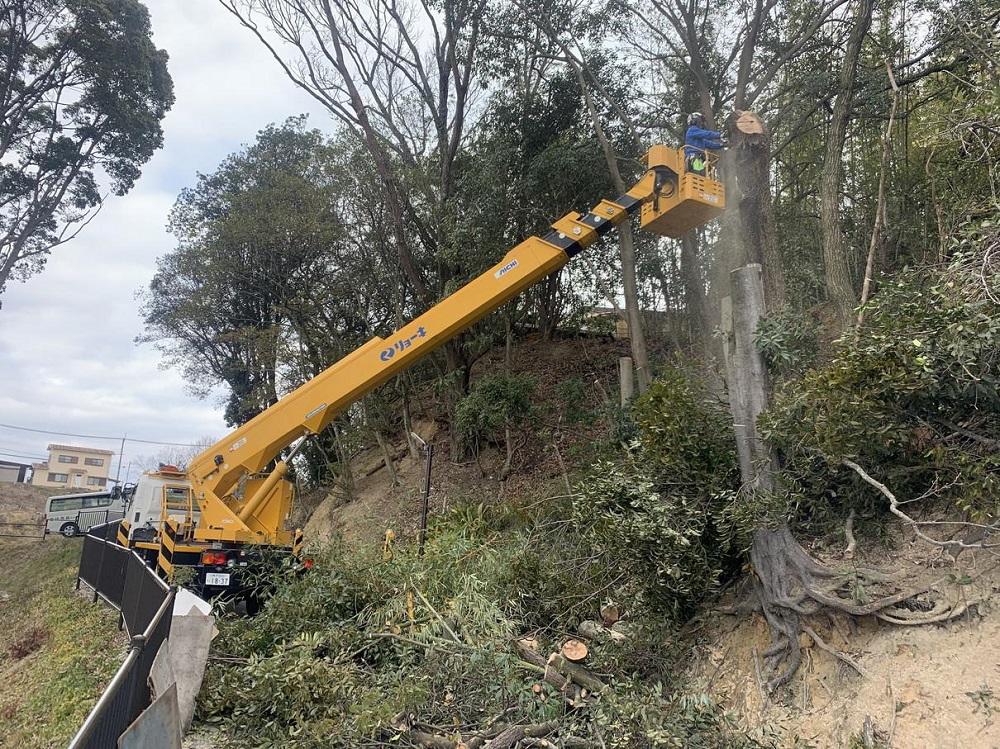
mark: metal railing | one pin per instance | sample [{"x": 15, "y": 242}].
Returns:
[
  {"x": 710, "y": 162},
  {"x": 87, "y": 519},
  {"x": 120, "y": 577},
  {"x": 14, "y": 530}
]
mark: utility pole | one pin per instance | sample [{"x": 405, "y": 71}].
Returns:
[{"x": 118, "y": 473}]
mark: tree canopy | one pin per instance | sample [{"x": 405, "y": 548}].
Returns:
[{"x": 82, "y": 94}]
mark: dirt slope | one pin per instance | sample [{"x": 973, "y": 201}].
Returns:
[{"x": 586, "y": 368}]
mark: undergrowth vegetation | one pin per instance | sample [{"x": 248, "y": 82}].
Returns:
[
  {"x": 57, "y": 649},
  {"x": 369, "y": 649},
  {"x": 663, "y": 511}
]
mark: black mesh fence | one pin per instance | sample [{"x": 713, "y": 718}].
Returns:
[{"x": 120, "y": 577}]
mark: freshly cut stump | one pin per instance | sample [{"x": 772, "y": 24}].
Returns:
[{"x": 574, "y": 650}]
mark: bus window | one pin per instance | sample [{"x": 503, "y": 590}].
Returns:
[{"x": 65, "y": 504}]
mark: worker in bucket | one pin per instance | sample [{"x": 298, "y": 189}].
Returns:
[{"x": 698, "y": 141}]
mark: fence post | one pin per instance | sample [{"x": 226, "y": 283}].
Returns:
[
  {"x": 138, "y": 597},
  {"x": 100, "y": 568},
  {"x": 138, "y": 644},
  {"x": 429, "y": 449}
]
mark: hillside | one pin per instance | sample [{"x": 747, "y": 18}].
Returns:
[
  {"x": 922, "y": 687},
  {"x": 575, "y": 386},
  {"x": 57, "y": 649}
]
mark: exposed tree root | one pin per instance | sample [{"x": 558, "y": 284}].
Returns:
[{"x": 789, "y": 585}]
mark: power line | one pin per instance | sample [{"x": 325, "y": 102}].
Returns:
[
  {"x": 18, "y": 455},
  {"x": 97, "y": 436}
]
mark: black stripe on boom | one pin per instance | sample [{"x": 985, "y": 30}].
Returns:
[
  {"x": 601, "y": 225},
  {"x": 565, "y": 243},
  {"x": 630, "y": 204}
]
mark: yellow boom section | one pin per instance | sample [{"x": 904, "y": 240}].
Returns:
[{"x": 216, "y": 473}]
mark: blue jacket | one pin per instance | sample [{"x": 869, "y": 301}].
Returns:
[{"x": 698, "y": 139}]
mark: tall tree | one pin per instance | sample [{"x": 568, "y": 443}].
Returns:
[
  {"x": 406, "y": 95},
  {"x": 82, "y": 93},
  {"x": 839, "y": 286},
  {"x": 252, "y": 237}
]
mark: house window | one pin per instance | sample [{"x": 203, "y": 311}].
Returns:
[
  {"x": 96, "y": 481},
  {"x": 68, "y": 459},
  {"x": 58, "y": 478},
  {"x": 94, "y": 461}
]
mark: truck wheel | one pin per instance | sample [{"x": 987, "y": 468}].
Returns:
[{"x": 69, "y": 530}]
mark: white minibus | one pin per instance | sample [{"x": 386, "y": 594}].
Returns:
[{"x": 72, "y": 514}]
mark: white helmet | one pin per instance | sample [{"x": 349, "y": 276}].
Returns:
[{"x": 697, "y": 119}]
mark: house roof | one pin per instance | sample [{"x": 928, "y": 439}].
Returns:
[
  {"x": 77, "y": 448},
  {"x": 10, "y": 463}
]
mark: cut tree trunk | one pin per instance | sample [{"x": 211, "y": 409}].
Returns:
[{"x": 751, "y": 143}]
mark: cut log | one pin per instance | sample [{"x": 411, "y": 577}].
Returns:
[
  {"x": 591, "y": 630},
  {"x": 610, "y": 613},
  {"x": 530, "y": 643},
  {"x": 574, "y": 650},
  {"x": 576, "y": 673},
  {"x": 550, "y": 675},
  {"x": 621, "y": 631},
  {"x": 513, "y": 735}
]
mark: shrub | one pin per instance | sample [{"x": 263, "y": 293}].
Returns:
[
  {"x": 664, "y": 512},
  {"x": 910, "y": 397},
  {"x": 788, "y": 342},
  {"x": 496, "y": 403}
]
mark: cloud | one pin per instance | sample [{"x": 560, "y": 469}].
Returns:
[{"x": 68, "y": 361}]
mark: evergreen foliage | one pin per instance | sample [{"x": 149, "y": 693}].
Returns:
[
  {"x": 663, "y": 511},
  {"x": 913, "y": 395}
]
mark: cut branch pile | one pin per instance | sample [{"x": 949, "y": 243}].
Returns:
[{"x": 576, "y": 685}]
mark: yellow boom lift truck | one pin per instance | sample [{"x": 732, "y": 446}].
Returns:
[{"x": 230, "y": 505}]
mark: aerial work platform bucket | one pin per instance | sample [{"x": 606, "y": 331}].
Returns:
[{"x": 688, "y": 199}]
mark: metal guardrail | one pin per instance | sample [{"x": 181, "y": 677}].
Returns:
[{"x": 145, "y": 602}]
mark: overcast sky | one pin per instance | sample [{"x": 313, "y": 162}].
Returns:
[{"x": 68, "y": 361}]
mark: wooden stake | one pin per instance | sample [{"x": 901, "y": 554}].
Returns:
[{"x": 627, "y": 380}]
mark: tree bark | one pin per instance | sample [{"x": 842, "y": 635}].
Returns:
[
  {"x": 838, "y": 278},
  {"x": 751, "y": 143},
  {"x": 694, "y": 286},
  {"x": 633, "y": 314},
  {"x": 750, "y": 385}
]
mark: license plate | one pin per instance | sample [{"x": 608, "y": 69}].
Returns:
[{"x": 216, "y": 578}]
